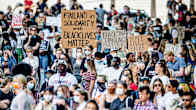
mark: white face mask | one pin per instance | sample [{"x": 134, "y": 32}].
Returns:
[
  {"x": 48, "y": 98},
  {"x": 77, "y": 99},
  {"x": 119, "y": 91},
  {"x": 79, "y": 55},
  {"x": 87, "y": 53},
  {"x": 30, "y": 54},
  {"x": 114, "y": 55}
]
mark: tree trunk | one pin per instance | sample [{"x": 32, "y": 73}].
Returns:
[
  {"x": 192, "y": 2},
  {"x": 153, "y": 8},
  {"x": 112, "y": 2}
]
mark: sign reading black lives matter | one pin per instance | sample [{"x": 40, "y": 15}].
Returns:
[
  {"x": 114, "y": 39},
  {"x": 78, "y": 28}
]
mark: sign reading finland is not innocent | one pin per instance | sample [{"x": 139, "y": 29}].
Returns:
[{"x": 78, "y": 28}]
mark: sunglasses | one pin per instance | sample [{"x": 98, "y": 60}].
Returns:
[
  {"x": 33, "y": 29},
  {"x": 187, "y": 100},
  {"x": 157, "y": 85}
]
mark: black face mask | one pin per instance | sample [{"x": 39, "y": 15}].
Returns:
[
  {"x": 101, "y": 86},
  {"x": 60, "y": 107},
  {"x": 71, "y": 94}
]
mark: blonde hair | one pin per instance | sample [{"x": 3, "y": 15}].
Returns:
[{"x": 20, "y": 78}]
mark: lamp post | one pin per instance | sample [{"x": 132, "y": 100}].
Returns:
[{"x": 153, "y": 8}]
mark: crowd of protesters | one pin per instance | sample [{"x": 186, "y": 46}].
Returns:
[{"x": 93, "y": 78}]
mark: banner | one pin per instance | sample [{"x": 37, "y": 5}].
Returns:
[
  {"x": 138, "y": 43},
  {"x": 53, "y": 21},
  {"x": 78, "y": 28},
  {"x": 114, "y": 39},
  {"x": 17, "y": 21}
]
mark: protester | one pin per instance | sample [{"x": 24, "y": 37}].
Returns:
[
  {"x": 144, "y": 95},
  {"x": 123, "y": 101},
  {"x": 46, "y": 104}
]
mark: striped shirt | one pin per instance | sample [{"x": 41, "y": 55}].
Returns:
[{"x": 147, "y": 106}]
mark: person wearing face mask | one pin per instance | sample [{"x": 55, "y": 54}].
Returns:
[
  {"x": 99, "y": 88},
  {"x": 123, "y": 101},
  {"x": 88, "y": 55},
  {"x": 109, "y": 96},
  {"x": 32, "y": 60},
  {"x": 62, "y": 77},
  {"x": 62, "y": 99},
  {"x": 113, "y": 72},
  {"x": 31, "y": 87},
  {"x": 99, "y": 63},
  {"x": 80, "y": 97},
  {"x": 158, "y": 29},
  {"x": 23, "y": 100},
  {"x": 46, "y": 104}
]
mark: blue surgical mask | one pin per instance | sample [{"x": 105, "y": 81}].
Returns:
[
  {"x": 30, "y": 85},
  {"x": 98, "y": 61},
  {"x": 105, "y": 62},
  {"x": 33, "y": 37},
  {"x": 193, "y": 41},
  {"x": 59, "y": 94}
]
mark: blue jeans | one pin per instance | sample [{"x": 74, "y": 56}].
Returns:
[{"x": 44, "y": 62}]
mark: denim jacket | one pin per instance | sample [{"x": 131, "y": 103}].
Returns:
[{"x": 11, "y": 62}]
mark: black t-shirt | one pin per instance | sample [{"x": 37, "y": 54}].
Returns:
[
  {"x": 4, "y": 25},
  {"x": 8, "y": 96},
  {"x": 34, "y": 40},
  {"x": 117, "y": 104}
]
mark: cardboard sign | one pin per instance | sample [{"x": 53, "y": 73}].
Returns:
[
  {"x": 78, "y": 28},
  {"x": 138, "y": 43},
  {"x": 17, "y": 21},
  {"x": 53, "y": 21},
  {"x": 114, "y": 39}
]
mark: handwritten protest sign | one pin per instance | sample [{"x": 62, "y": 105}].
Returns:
[
  {"x": 78, "y": 28},
  {"x": 138, "y": 43},
  {"x": 114, "y": 39},
  {"x": 53, "y": 21},
  {"x": 17, "y": 21}
]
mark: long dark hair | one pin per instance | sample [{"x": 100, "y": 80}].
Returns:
[
  {"x": 162, "y": 88},
  {"x": 163, "y": 65}
]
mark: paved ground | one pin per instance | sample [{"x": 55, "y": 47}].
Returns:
[{"x": 90, "y": 4}]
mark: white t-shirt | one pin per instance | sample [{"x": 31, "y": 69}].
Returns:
[
  {"x": 34, "y": 62},
  {"x": 57, "y": 80},
  {"x": 22, "y": 101},
  {"x": 169, "y": 100},
  {"x": 112, "y": 74},
  {"x": 81, "y": 106}
]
